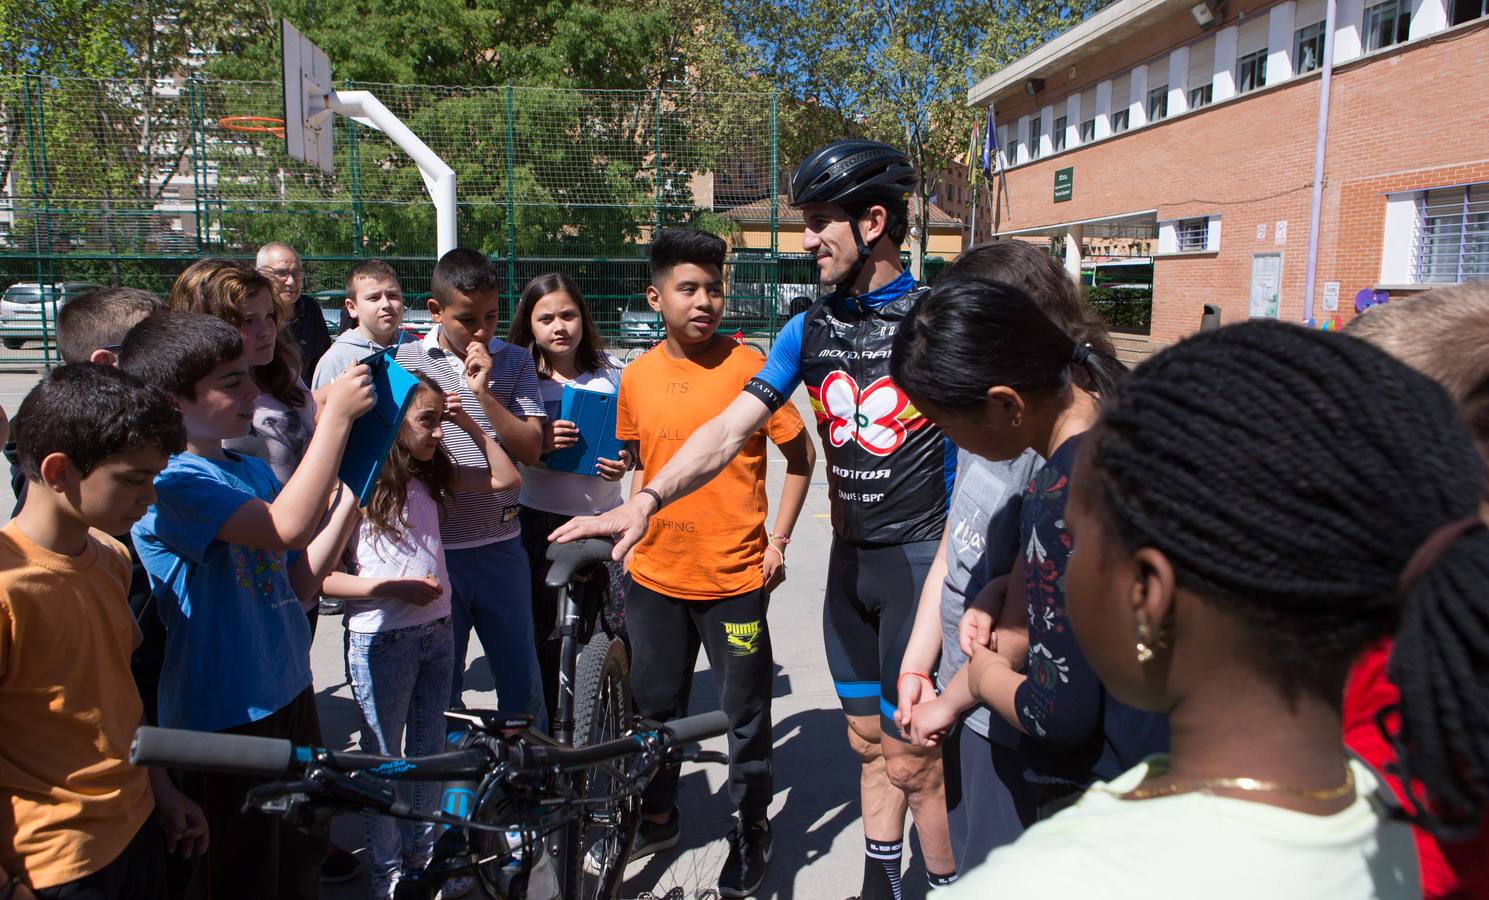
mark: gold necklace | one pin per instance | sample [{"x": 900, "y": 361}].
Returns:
[{"x": 1244, "y": 784}]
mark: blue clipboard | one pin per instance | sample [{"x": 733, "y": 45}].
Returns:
[
  {"x": 373, "y": 434},
  {"x": 594, "y": 413}
]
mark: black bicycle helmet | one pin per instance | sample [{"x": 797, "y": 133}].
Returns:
[{"x": 855, "y": 174}]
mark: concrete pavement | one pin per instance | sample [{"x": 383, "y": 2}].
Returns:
[{"x": 818, "y": 838}]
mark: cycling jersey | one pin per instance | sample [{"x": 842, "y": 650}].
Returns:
[{"x": 889, "y": 469}]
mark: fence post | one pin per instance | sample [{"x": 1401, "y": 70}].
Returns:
[
  {"x": 36, "y": 124},
  {"x": 198, "y": 160},
  {"x": 657, "y": 156},
  {"x": 511, "y": 204},
  {"x": 775, "y": 211},
  {"x": 354, "y": 162}
]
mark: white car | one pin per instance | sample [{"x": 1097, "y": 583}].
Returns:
[{"x": 28, "y": 311}]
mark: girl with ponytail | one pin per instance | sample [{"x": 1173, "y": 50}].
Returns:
[
  {"x": 1256, "y": 506},
  {"x": 988, "y": 365}
]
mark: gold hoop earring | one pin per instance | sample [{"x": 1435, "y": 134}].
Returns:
[{"x": 1144, "y": 639}]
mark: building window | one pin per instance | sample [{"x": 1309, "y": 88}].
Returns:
[
  {"x": 1058, "y": 137},
  {"x": 1251, "y": 71},
  {"x": 1193, "y": 235},
  {"x": 1034, "y": 125},
  {"x": 1158, "y": 103},
  {"x": 1467, "y": 10},
  {"x": 1308, "y": 48},
  {"x": 1088, "y": 131},
  {"x": 1452, "y": 235},
  {"x": 1201, "y": 96},
  {"x": 1387, "y": 23},
  {"x": 1119, "y": 121}
]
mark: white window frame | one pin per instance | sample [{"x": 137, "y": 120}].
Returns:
[
  {"x": 1450, "y": 238},
  {"x": 1202, "y": 95},
  {"x": 1088, "y": 131},
  {"x": 1258, "y": 63},
  {"x": 1308, "y": 34},
  {"x": 1395, "y": 14},
  {"x": 1057, "y": 137},
  {"x": 1035, "y": 123},
  {"x": 1192, "y": 235},
  {"x": 1120, "y": 120},
  {"x": 1158, "y": 104}
]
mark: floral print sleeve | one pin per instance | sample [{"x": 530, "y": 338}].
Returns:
[{"x": 1060, "y": 701}]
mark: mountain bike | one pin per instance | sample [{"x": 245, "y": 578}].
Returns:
[{"x": 505, "y": 789}]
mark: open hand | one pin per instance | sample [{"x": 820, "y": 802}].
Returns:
[
  {"x": 626, "y": 524},
  {"x": 417, "y": 591}
]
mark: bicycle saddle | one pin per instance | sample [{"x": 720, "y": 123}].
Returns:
[{"x": 570, "y": 558}]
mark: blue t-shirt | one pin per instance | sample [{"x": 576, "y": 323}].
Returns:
[
  {"x": 237, "y": 642},
  {"x": 782, "y": 369}
]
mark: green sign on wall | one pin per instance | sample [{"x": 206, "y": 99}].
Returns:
[{"x": 1064, "y": 184}]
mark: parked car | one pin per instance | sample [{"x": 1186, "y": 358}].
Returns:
[
  {"x": 28, "y": 311},
  {"x": 416, "y": 318},
  {"x": 640, "y": 325}
]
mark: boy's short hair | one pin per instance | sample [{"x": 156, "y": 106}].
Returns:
[
  {"x": 89, "y": 413},
  {"x": 675, "y": 246},
  {"x": 465, "y": 271},
  {"x": 1443, "y": 333},
  {"x": 369, "y": 268},
  {"x": 100, "y": 320},
  {"x": 174, "y": 350}
]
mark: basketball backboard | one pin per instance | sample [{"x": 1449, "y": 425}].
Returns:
[{"x": 308, "y": 124}]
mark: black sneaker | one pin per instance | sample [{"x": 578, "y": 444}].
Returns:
[
  {"x": 339, "y": 866},
  {"x": 749, "y": 857},
  {"x": 654, "y": 837}
]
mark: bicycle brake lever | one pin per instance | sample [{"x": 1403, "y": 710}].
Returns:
[{"x": 699, "y": 755}]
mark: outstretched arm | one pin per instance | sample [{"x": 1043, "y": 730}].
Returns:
[{"x": 700, "y": 458}]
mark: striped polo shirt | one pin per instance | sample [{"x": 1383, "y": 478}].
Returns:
[{"x": 481, "y": 518}]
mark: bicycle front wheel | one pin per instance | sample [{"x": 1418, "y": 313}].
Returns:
[{"x": 597, "y": 844}]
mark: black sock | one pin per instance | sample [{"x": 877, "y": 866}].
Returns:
[
  {"x": 881, "y": 870},
  {"x": 940, "y": 881}
]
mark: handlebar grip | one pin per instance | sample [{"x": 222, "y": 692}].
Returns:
[
  {"x": 697, "y": 728},
  {"x": 231, "y": 753}
]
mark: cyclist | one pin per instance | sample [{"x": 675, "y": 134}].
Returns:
[{"x": 889, "y": 477}]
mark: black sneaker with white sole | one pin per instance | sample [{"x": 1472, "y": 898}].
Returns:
[
  {"x": 654, "y": 837},
  {"x": 749, "y": 857}
]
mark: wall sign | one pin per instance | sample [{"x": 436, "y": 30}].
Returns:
[
  {"x": 1331, "y": 296},
  {"x": 1266, "y": 285},
  {"x": 1064, "y": 184}
]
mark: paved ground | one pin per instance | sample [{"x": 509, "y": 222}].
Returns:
[{"x": 818, "y": 838}]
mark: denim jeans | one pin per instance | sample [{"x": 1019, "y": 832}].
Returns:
[
  {"x": 401, "y": 678},
  {"x": 491, "y": 592}
]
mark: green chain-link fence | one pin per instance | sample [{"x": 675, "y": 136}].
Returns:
[{"x": 109, "y": 182}]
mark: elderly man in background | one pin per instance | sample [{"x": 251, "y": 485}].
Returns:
[{"x": 281, "y": 263}]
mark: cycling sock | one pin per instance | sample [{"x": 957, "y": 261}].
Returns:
[
  {"x": 940, "y": 881},
  {"x": 881, "y": 870}
]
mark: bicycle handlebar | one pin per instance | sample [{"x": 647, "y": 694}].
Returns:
[{"x": 273, "y": 757}]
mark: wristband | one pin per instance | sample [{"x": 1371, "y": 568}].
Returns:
[
  {"x": 904, "y": 675},
  {"x": 654, "y": 495},
  {"x": 770, "y": 546}
]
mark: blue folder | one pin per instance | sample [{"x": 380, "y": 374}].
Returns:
[
  {"x": 594, "y": 413},
  {"x": 373, "y": 434}
]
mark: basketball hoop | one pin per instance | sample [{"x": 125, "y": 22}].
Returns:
[{"x": 254, "y": 124}]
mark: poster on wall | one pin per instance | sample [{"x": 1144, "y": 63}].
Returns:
[
  {"x": 1266, "y": 285},
  {"x": 1331, "y": 296}
]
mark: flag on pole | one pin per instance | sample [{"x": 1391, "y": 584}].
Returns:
[
  {"x": 972, "y": 160},
  {"x": 990, "y": 148}
]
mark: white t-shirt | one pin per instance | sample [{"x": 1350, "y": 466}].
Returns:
[
  {"x": 569, "y": 493},
  {"x": 1198, "y": 845},
  {"x": 418, "y": 552}
]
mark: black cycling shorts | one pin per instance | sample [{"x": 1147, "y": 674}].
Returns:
[{"x": 867, "y": 616}]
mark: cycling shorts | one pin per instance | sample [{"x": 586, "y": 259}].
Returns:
[{"x": 867, "y": 616}]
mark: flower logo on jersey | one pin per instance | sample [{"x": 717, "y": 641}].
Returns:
[{"x": 874, "y": 417}]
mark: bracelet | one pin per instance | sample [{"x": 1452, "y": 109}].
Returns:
[
  {"x": 784, "y": 539},
  {"x": 770, "y": 546},
  {"x": 904, "y": 675},
  {"x": 654, "y": 495}
]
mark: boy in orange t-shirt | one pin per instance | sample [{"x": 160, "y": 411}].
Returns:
[{"x": 704, "y": 571}]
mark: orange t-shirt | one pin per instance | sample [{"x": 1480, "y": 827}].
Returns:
[
  {"x": 68, "y": 709},
  {"x": 709, "y": 544}
]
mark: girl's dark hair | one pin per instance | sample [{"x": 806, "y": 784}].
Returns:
[
  {"x": 1035, "y": 272},
  {"x": 969, "y": 334},
  {"x": 387, "y": 510},
  {"x": 1290, "y": 475},
  {"x": 589, "y": 355}
]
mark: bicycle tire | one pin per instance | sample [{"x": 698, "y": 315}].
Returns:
[
  {"x": 602, "y": 711},
  {"x": 633, "y": 353},
  {"x": 756, "y": 347}
]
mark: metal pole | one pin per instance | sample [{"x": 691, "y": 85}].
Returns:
[
  {"x": 354, "y": 160},
  {"x": 657, "y": 156},
  {"x": 511, "y": 201},
  {"x": 775, "y": 210},
  {"x": 1316, "y": 210},
  {"x": 439, "y": 178},
  {"x": 198, "y": 163}
]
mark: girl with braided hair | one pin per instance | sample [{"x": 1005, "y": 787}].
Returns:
[
  {"x": 1255, "y": 506},
  {"x": 987, "y": 363}
]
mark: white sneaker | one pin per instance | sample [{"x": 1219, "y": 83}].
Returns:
[{"x": 458, "y": 886}]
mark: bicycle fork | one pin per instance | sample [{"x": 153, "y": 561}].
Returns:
[{"x": 568, "y": 654}]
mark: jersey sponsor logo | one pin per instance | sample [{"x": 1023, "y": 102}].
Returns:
[
  {"x": 861, "y": 474},
  {"x": 876, "y": 418},
  {"x": 743, "y": 638}
]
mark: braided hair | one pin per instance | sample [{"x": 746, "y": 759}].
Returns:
[
  {"x": 1290, "y": 475},
  {"x": 970, "y": 333}
]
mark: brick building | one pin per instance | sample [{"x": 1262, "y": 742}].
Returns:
[{"x": 1194, "y": 147}]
